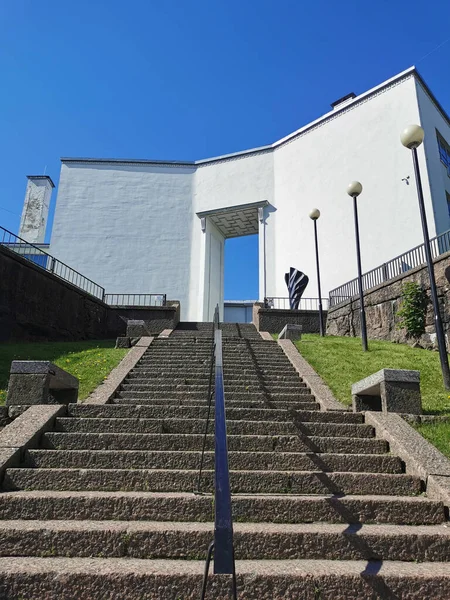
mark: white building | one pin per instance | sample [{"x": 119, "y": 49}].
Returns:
[{"x": 159, "y": 226}]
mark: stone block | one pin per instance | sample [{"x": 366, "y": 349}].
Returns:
[
  {"x": 291, "y": 332},
  {"x": 123, "y": 342},
  {"x": 137, "y": 328},
  {"x": 40, "y": 382},
  {"x": 389, "y": 390}
]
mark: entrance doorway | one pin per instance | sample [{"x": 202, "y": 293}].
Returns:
[{"x": 245, "y": 258}]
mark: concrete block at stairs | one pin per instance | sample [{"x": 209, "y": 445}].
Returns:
[
  {"x": 40, "y": 382},
  {"x": 123, "y": 342},
  {"x": 137, "y": 328},
  {"x": 291, "y": 332},
  {"x": 27, "y": 429},
  {"x": 389, "y": 390}
]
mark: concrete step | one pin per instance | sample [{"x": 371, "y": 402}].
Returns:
[
  {"x": 181, "y": 425},
  {"x": 252, "y": 541},
  {"x": 231, "y": 388},
  {"x": 136, "y": 579},
  {"x": 262, "y": 461},
  {"x": 170, "y": 506},
  {"x": 234, "y": 427},
  {"x": 144, "y": 411},
  {"x": 238, "y": 443},
  {"x": 301, "y": 395},
  {"x": 188, "y": 412},
  {"x": 247, "y": 482},
  {"x": 303, "y": 403}
]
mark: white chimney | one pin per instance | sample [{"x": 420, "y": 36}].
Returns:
[{"x": 35, "y": 209}]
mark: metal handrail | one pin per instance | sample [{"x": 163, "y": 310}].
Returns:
[
  {"x": 283, "y": 303},
  {"x": 397, "y": 266},
  {"x": 126, "y": 300},
  {"x": 49, "y": 263},
  {"x": 222, "y": 546}
]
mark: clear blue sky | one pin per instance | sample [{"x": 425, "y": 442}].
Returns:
[{"x": 178, "y": 79}]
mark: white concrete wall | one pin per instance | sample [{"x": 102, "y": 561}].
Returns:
[
  {"x": 314, "y": 170},
  {"x": 127, "y": 227},
  {"x": 435, "y": 178}
]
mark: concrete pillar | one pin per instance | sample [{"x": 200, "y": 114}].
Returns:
[{"x": 35, "y": 209}]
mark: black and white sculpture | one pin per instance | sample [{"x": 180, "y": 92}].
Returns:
[{"x": 296, "y": 282}]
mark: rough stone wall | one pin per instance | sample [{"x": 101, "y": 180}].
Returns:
[
  {"x": 273, "y": 320},
  {"x": 383, "y": 302},
  {"x": 38, "y": 306}
]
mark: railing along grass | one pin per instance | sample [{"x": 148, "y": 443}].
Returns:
[
  {"x": 91, "y": 361},
  {"x": 340, "y": 362}
]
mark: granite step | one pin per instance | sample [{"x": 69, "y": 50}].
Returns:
[
  {"x": 239, "y": 443},
  {"x": 143, "y": 411},
  {"x": 234, "y": 427},
  {"x": 252, "y": 541},
  {"x": 136, "y": 579},
  {"x": 165, "y": 412},
  {"x": 163, "y": 459},
  {"x": 247, "y": 482},
  {"x": 303, "y": 403},
  {"x": 243, "y": 386},
  {"x": 300, "y": 394},
  {"x": 170, "y": 506}
]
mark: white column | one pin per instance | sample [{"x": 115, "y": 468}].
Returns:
[{"x": 35, "y": 209}]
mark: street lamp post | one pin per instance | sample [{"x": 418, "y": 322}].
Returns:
[
  {"x": 314, "y": 215},
  {"x": 411, "y": 138},
  {"x": 354, "y": 190}
]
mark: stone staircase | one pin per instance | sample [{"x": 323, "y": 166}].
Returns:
[{"x": 105, "y": 508}]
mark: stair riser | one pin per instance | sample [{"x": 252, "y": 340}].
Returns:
[
  {"x": 243, "y": 387},
  {"x": 179, "y": 544},
  {"x": 184, "y": 481},
  {"x": 72, "y": 424},
  {"x": 174, "y": 586},
  {"x": 264, "y": 461},
  {"x": 252, "y": 397},
  {"x": 148, "y": 507},
  {"x": 162, "y": 442},
  {"x": 143, "y": 402},
  {"x": 186, "y": 412}
]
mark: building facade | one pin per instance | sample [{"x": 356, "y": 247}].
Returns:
[{"x": 140, "y": 226}]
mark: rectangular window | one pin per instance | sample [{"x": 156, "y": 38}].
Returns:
[{"x": 444, "y": 151}]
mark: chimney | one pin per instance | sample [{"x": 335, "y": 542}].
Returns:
[
  {"x": 35, "y": 209},
  {"x": 343, "y": 101}
]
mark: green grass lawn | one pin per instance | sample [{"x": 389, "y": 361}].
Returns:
[
  {"x": 340, "y": 362},
  {"x": 90, "y": 361}
]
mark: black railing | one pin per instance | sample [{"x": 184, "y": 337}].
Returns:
[
  {"x": 395, "y": 267},
  {"x": 305, "y": 303},
  {"x": 124, "y": 300},
  {"x": 49, "y": 263},
  {"x": 222, "y": 546}
]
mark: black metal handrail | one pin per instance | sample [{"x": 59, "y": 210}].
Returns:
[
  {"x": 222, "y": 546},
  {"x": 397, "y": 266},
  {"x": 49, "y": 263},
  {"x": 126, "y": 300},
  {"x": 283, "y": 303}
]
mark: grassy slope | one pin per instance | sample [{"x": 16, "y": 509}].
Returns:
[
  {"x": 340, "y": 361},
  {"x": 90, "y": 361}
]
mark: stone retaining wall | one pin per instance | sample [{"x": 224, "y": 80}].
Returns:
[
  {"x": 383, "y": 302},
  {"x": 273, "y": 319},
  {"x": 36, "y": 305}
]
